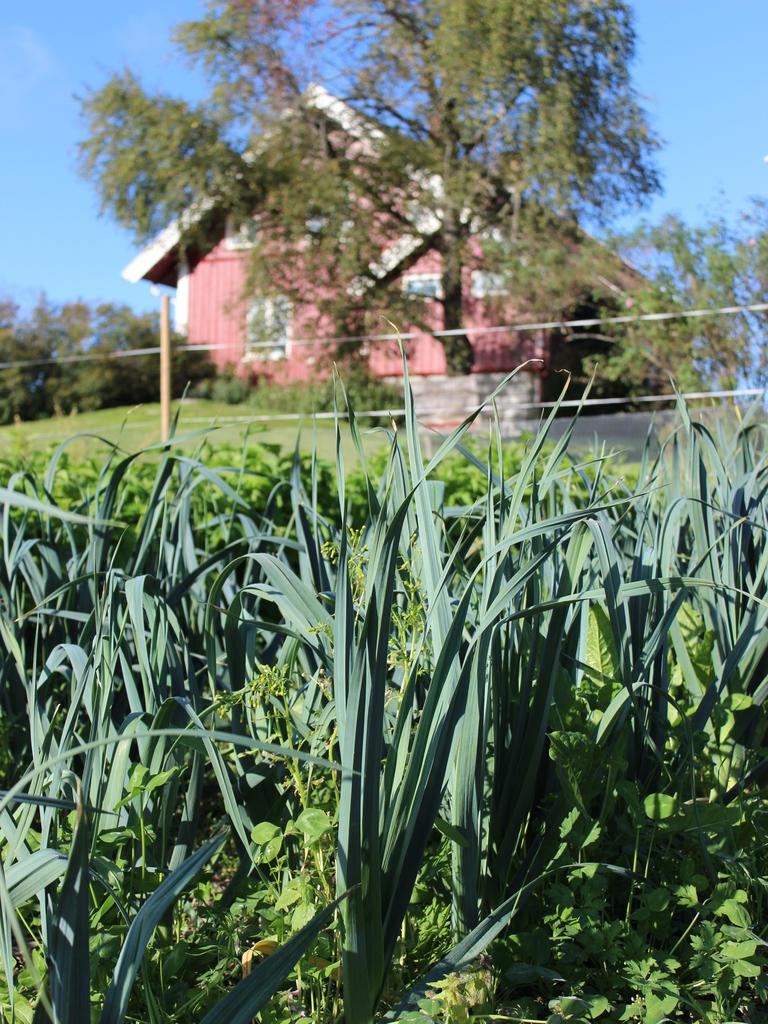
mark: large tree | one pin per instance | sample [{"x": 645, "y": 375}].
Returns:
[{"x": 503, "y": 120}]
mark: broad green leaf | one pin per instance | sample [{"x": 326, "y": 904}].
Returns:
[
  {"x": 600, "y": 655},
  {"x": 570, "y": 1007},
  {"x": 660, "y": 806},
  {"x": 268, "y": 840},
  {"x": 658, "y": 1006},
  {"x": 739, "y": 950},
  {"x": 736, "y": 913},
  {"x": 314, "y": 824},
  {"x": 746, "y": 969},
  {"x": 159, "y": 780}
]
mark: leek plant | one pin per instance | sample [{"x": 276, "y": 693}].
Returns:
[{"x": 199, "y": 696}]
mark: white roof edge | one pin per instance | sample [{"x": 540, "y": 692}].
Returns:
[
  {"x": 151, "y": 255},
  {"x": 344, "y": 115},
  {"x": 169, "y": 237},
  {"x": 165, "y": 242}
]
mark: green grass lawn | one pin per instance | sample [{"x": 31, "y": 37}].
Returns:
[{"x": 139, "y": 426}]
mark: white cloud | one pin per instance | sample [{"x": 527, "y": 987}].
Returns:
[
  {"x": 35, "y": 88},
  {"x": 143, "y": 39},
  {"x": 26, "y": 64}
]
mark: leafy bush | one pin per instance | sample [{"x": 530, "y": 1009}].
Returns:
[
  {"x": 227, "y": 386},
  {"x": 507, "y": 723},
  {"x": 316, "y": 395}
]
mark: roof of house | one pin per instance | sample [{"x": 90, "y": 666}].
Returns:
[{"x": 157, "y": 260}]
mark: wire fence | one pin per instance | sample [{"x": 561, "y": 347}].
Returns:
[
  {"x": 627, "y": 429},
  {"x": 757, "y": 307},
  {"x": 425, "y": 414},
  {"x": 620, "y": 431},
  {"x": 625, "y": 434},
  {"x": 542, "y": 325}
]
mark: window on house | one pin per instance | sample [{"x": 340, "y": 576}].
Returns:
[
  {"x": 316, "y": 224},
  {"x": 425, "y": 285},
  {"x": 485, "y": 283},
  {"x": 242, "y": 236},
  {"x": 268, "y": 329}
]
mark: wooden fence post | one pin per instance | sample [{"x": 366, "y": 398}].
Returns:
[{"x": 165, "y": 368}]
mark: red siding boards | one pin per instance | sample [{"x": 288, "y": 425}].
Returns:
[
  {"x": 217, "y": 316},
  {"x": 216, "y": 310}
]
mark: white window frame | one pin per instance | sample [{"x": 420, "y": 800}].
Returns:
[
  {"x": 242, "y": 237},
  {"x": 268, "y": 318},
  {"x": 487, "y": 284},
  {"x": 409, "y": 278}
]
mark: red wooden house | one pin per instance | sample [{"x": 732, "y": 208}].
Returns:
[{"x": 212, "y": 307}]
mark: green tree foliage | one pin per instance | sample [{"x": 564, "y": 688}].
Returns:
[
  {"x": 723, "y": 262},
  {"x": 44, "y": 384},
  {"x": 505, "y": 120},
  {"x": 29, "y": 391},
  {"x": 673, "y": 266}
]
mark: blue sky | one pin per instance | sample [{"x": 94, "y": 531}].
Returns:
[{"x": 701, "y": 69}]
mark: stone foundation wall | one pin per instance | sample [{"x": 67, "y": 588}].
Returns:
[{"x": 443, "y": 402}]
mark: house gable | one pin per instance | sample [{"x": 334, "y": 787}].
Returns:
[{"x": 211, "y": 283}]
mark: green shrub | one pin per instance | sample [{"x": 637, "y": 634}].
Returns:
[
  {"x": 311, "y": 396},
  {"x": 226, "y": 386}
]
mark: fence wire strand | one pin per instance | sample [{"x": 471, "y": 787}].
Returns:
[{"x": 757, "y": 307}]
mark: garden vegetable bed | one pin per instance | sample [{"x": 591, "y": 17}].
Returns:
[{"x": 484, "y": 736}]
